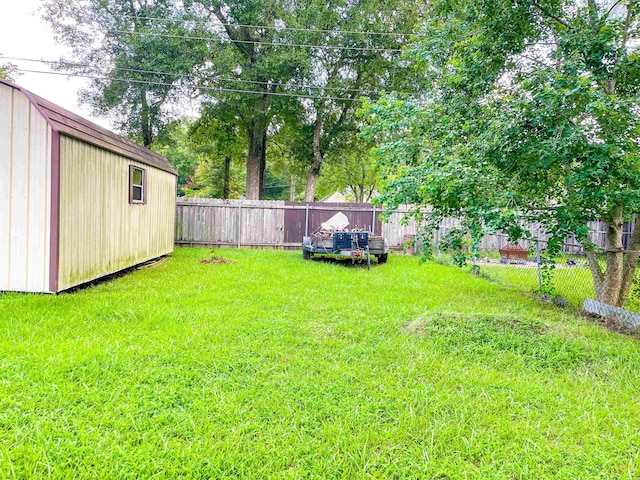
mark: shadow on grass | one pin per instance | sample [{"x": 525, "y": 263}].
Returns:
[
  {"x": 345, "y": 261},
  {"x": 112, "y": 276}
]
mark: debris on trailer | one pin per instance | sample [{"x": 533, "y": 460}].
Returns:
[
  {"x": 333, "y": 238},
  {"x": 338, "y": 222}
]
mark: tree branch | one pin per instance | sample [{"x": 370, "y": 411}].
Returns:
[
  {"x": 345, "y": 108},
  {"x": 627, "y": 26},
  {"x": 615, "y": 4},
  {"x": 243, "y": 47},
  {"x": 237, "y": 110},
  {"x": 550, "y": 15},
  {"x": 593, "y": 14}
]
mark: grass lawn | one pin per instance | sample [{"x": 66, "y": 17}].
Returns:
[{"x": 277, "y": 367}]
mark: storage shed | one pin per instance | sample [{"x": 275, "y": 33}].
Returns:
[{"x": 77, "y": 202}]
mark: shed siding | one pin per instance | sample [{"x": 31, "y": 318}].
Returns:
[
  {"x": 25, "y": 200},
  {"x": 100, "y": 231}
]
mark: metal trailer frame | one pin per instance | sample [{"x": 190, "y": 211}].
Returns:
[{"x": 356, "y": 252}]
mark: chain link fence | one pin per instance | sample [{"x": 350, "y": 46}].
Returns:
[{"x": 565, "y": 279}]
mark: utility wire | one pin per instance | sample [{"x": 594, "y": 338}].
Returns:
[
  {"x": 214, "y": 89},
  {"x": 255, "y": 42},
  {"x": 273, "y": 27},
  {"x": 195, "y": 77}
]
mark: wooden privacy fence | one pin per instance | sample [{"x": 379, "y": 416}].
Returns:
[
  {"x": 250, "y": 223},
  {"x": 279, "y": 224}
]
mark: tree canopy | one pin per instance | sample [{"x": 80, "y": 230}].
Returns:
[
  {"x": 268, "y": 65},
  {"x": 529, "y": 113},
  {"x": 133, "y": 52}
]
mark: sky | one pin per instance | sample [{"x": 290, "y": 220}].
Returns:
[{"x": 24, "y": 34}]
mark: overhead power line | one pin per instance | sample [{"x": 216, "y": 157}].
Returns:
[
  {"x": 195, "y": 77},
  {"x": 255, "y": 42},
  {"x": 213, "y": 89},
  {"x": 274, "y": 27}
]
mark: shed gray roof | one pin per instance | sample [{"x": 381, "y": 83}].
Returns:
[{"x": 73, "y": 125}]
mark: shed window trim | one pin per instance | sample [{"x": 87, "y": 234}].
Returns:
[{"x": 137, "y": 185}]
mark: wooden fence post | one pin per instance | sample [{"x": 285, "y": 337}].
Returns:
[{"x": 239, "y": 224}]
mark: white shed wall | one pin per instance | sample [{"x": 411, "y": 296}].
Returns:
[{"x": 25, "y": 194}]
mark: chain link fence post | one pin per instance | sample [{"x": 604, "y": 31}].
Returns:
[{"x": 538, "y": 264}]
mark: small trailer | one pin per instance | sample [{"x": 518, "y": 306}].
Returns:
[
  {"x": 359, "y": 246},
  {"x": 333, "y": 238}
]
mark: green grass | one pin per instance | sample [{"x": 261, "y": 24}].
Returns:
[{"x": 274, "y": 367}]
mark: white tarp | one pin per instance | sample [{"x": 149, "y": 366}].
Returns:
[{"x": 338, "y": 222}]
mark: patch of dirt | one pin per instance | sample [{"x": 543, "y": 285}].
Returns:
[
  {"x": 215, "y": 260},
  {"x": 415, "y": 327}
]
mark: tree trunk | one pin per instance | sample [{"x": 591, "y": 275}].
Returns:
[
  {"x": 263, "y": 164},
  {"x": 631, "y": 261},
  {"x": 147, "y": 132},
  {"x": 314, "y": 171},
  {"x": 360, "y": 196},
  {"x": 612, "y": 285},
  {"x": 227, "y": 177},
  {"x": 257, "y": 153},
  {"x": 254, "y": 160},
  {"x": 596, "y": 273},
  {"x": 292, "y": 188}
]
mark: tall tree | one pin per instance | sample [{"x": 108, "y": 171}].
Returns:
[
  {"x": 134, "y": 53},
  {"x": 350, "y": 169},
  {"x": 362, "y": 56},
  {"x": 174, "y": 143},
  {"x": 530, "y": 114},
  {"x": 218, "y": 139},
  {"x": 250, "y": 52}
]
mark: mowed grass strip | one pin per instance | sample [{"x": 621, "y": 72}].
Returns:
[{"x": 275, "y": 367}]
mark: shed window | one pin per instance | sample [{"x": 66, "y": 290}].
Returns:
[{"x": 137, "y": 185}]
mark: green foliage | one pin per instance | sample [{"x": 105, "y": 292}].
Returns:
[
  {"x": 235, "y": 56},
  {"x": 276, "y": 186},
  {"x": 249, "y": 59},
  {"x": 191, "y": 370},
  {"x": 136, "y": 53},
  {"x": 457, "y": 242},
  {"x": 340, "y": 77},
  {"x": 175, "y": 145},
  {"x": 218, "y": 140},
  {"x": 8, "y": 72},
  {"x": 350, "y": 169},
  {"x": 547, "y": 274},
  {"x": 528, "y": 114}
]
